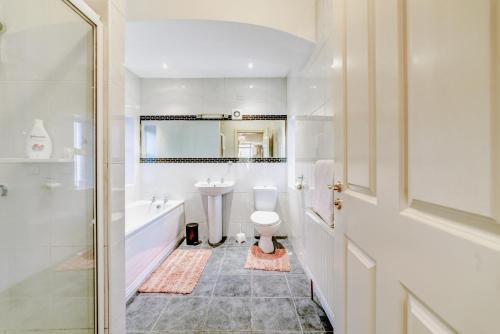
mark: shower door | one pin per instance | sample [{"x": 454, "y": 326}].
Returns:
[{"x": 47, "y": 168}]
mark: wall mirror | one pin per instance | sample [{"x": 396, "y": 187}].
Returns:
[{"x": 179, "y": 139}]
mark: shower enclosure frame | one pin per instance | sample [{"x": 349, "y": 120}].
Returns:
[{"x": 87, "y": 14}]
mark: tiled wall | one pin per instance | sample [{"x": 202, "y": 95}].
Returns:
[
  {"x": 311, "y": 107},
  {"x": 132, "y": 136},
  {"x": 176, "y": 181},
  {"x": 194, "y": 96},
  {"x": 218, "y": 96}
]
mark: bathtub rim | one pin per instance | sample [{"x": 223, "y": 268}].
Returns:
[{"x": 174, "y": 205}]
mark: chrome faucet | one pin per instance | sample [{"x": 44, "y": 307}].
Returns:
[
  {"x": 153, "y": 199},
  {"x": 208, "y": 180},
  {"x": 4, "y": 191},
  {"x": 165, "y": 199}
]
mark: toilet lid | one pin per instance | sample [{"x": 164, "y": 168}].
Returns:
[{"x": 265, "y": 217}]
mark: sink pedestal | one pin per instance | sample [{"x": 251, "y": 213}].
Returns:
[
  {"x": 214, "y": 219},
  {"x": 214, "y": 191}
]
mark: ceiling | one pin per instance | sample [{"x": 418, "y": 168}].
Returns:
[{"x": 212, "y": 49}]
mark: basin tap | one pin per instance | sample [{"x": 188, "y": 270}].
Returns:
[
  {"x": 221, "y": 180},
  {"x": 165, "y": 199},
  {"x": 208, "y": 180},
  {"x": 153, "y": 199}
]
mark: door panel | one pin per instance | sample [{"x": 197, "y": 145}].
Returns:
[
  {"x": 449, "y": 104},
  {"x": 423, "y": 321},
  {"x": 360, "y": 291},
  {"x": 359, "y": 96}
]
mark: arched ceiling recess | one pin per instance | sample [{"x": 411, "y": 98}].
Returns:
[
  {"x": 212, "y": 49},
  {"x": 297, "y": 17}
]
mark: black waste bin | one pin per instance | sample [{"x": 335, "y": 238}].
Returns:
[{"x": 192, "y": 234}]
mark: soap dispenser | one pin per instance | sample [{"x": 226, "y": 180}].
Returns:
[{"x": 38, "y": 142}]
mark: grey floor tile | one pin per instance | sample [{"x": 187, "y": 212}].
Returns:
[
  {"x": 300, "y": 285},
  {"x": 229, "y": 314},
  {"x": 276, "y": 332},
  {"x": 295, "y": 266},
  {"x": 143, "y": 312},
  {"x": 204, "y": 288},
  {"x": 274, "y": 314},
  {"x": 213, "y": 266},
  {"x": 237, "y": 253},
  {"x": 233, "y": 286},
  {"x": 270, "y": 286},
  {"x": 307, "y": 311},
  {"x": 234, "y": 266},
  {"x": 183, "y": 314},
  {"x": 176, "y": 332}
]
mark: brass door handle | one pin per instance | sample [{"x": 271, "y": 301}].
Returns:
[
  {"x": 338, "y": 187},
  {"x": 338, "y": 203}
]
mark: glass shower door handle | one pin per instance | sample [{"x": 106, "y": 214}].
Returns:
[{"x": 4, "y": 191}]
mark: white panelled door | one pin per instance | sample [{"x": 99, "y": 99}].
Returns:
[{"x": 417, "y": 91}]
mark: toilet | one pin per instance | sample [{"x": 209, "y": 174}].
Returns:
[{"x": 265, "y": 219}]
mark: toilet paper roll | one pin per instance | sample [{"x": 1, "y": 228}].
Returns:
[{"x": 240, "y": 238}]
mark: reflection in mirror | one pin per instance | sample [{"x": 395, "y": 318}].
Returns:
[{"x": 247, "y": 139}]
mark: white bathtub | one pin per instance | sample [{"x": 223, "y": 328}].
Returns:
[{"x": 151, "y": 233}]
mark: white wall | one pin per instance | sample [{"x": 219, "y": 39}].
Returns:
[
  {"x": 311, "y": 107},
  {"x": 296, "y": 17},
  {"x": 194, "y": 96}
]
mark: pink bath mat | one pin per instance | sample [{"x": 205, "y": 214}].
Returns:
[
  {"x": 179, "y": 273},
  {"x": 277, "y": 261}
]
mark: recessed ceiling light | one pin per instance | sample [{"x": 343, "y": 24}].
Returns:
[
  {"x": 164, "y": 65},
  {"x": 251, "y": 86},
  {"x": 250, "y": 65}
]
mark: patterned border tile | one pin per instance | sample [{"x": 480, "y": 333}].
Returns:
[
  {"x": 211, "y": 160},
  {"x": 224, "y": 118}
]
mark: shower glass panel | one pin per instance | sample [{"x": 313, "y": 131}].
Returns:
[{"x": 47, "y": 168}]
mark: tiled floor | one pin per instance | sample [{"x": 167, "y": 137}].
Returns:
[{"x": 231, "y": 299}]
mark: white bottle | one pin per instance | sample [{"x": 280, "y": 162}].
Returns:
[{"x": 38, "y": 142}]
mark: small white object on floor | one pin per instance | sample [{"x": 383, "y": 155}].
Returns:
[{"x": 241, "y": 238}]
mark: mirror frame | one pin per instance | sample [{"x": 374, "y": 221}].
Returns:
[{"x": 214, "y": 118}]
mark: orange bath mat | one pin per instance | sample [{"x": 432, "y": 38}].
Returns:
[
  {"x": 179, "y": 273},
  {"x": 277, "y": 261}
]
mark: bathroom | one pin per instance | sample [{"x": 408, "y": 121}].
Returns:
[
  {"x": 249, "y": 166},
  {"x": 214, "y": 110}
]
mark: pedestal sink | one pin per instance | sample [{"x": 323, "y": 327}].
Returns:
[{"x": 214, "y": 191}]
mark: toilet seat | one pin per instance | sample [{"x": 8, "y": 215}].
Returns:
[{"x": 265, "y": 218}]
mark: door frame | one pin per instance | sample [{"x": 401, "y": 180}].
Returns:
[{"x": 82, "y": 9}]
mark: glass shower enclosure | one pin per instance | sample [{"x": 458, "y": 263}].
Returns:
[{"x": 47, "y": 168}]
